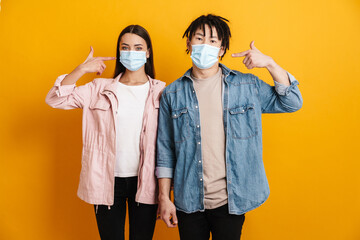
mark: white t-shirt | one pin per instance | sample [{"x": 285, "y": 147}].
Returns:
[{"x": 128, "y": 124}]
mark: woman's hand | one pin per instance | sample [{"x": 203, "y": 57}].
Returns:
[
  {"x": 94, "y": 64},
  {"x": 91, "y": 64}
]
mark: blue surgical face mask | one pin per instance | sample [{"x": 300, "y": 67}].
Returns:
[
  {"x": 133, "y": 60},
  {"x": 204, "y": 56}
]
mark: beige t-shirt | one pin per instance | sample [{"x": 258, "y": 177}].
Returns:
[{"x": 209, "y": 95}]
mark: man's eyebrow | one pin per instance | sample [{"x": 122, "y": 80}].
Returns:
[{"x": 199, "y": 34}]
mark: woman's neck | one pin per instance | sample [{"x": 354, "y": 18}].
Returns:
[{"x": 138, "y": 77}]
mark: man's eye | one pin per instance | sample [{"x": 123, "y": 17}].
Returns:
[
  {"x": 213, "y": 41},
  {"x": 199, "y": 39}
]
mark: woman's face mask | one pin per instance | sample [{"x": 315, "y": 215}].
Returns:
[{"x": 133, "y": 60}]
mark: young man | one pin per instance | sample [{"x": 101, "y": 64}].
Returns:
[{"x": 210, "y": 137}]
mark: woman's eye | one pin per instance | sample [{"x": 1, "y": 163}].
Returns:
[
  {"x": 199, "y": 39},
  {"x": 124, "y": 48},
  {"x": 138, "y": 48},
  {"x": 213, "y": 41}
]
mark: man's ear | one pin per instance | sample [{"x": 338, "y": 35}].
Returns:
[
  {"x": 222, "y": 51},
  {"x": 188, "y": 44}
]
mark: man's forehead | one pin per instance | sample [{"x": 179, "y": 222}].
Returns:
[{"x": 201, "y": 32}]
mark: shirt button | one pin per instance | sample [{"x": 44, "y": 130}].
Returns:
[
  {"x": 193, "y": 91},
  {"x": 199, "y": 161},
  {"x": 197, "y": 126},
  {"x": 174, "y": 115},
  {"x": 200, "y": 179},
  {"x": 196, "y": 106},
  {"x": 198, "y": 142}
]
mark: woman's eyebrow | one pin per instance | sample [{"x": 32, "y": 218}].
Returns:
[{"x": 139, "y": 44}]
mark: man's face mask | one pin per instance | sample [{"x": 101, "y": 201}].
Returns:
[
  {"x": 133, "y": 60},
  {"x": 204, "y": 56}
]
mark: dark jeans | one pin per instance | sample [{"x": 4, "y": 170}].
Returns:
[
  {"x": 142, "y": 217},
  {"x": 218, "y": 221}
]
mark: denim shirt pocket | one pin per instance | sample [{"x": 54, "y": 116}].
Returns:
[
  {"x": 243, "y": 121},
  {"x": 181, "y": 124}
]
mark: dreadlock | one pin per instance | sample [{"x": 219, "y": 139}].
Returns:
[{"x": 211, "y": 20}]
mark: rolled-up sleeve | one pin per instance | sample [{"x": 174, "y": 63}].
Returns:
[
  {"x": 279, "y": 98},
  {"x": 165, "y": 160},
  {"x": 69, "y": 96},
  {"x": 63, "y": 90},
  {"x": 282, "y": 89}
]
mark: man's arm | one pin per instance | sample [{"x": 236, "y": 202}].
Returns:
[
  {"x": 285, "y": 96},
  {"x": 167, "y": 208},
  {"x": 165, "y": 163}
]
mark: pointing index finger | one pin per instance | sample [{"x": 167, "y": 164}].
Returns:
[
  {"x": 240, "y": 54},
  {"x": 106, "y": 58}
]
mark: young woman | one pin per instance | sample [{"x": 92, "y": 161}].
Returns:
[{"x": 119, "y": 134}]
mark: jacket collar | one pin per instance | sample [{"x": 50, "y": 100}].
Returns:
[{"x": 112, "y": 86}]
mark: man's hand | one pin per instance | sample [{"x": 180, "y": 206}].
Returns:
[
  {"x": 254, "y": 58},
  {"x": 167, "y": 211}
]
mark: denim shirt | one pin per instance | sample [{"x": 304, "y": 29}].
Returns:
[{"x": 245, "y": 98}]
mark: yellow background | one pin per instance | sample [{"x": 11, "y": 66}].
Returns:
[{"x": 311, "y": 156}]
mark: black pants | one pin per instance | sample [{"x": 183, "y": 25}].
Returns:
[
  {"x": 218, "y": 221},
  {"x": 142, "y": 217}
]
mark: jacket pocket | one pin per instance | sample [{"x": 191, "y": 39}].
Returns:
[
  {"x": 243, "y": 121},
  {"x": 99, "y": 104},
  {"x": 181, "y": 124}
]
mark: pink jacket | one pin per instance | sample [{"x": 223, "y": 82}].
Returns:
[{"x": 99, "y": 103}]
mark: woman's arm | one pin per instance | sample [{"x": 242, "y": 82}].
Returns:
[{"x": 65, "y": 95}]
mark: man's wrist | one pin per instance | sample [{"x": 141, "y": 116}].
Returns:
[
  {"x": 163, "y": 197},
  {"x": 271, "y": 65}
]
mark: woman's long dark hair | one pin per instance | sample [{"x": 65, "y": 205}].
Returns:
[{"x": 141, "y": 32}]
